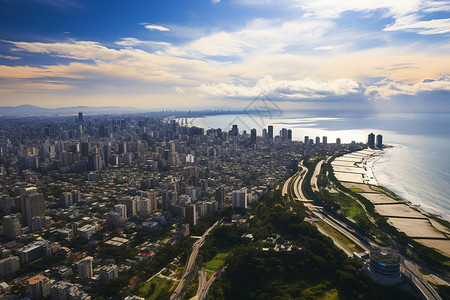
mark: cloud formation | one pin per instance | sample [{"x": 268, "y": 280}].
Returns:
[
  {"x": 286, "y": 90},
  {"x": 152, "y": 27}
]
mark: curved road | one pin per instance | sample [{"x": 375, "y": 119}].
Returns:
[{"x": 179, "y": 291}]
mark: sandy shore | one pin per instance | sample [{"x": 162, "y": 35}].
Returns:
[{"x": 356, "y": 170}]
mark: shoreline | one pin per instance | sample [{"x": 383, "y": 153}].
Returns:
[
  {"x": 418, "y": 205},
  {"x": 426, "y": 228}
]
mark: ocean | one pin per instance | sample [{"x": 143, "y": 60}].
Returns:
[{"x": 417, "y": 167}]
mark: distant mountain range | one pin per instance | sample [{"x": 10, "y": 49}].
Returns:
[{"x": 32, "y": 110}]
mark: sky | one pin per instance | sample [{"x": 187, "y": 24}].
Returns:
[{"x": 196, "y": 54}]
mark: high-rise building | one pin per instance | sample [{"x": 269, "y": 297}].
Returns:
[
  {"x": 219, "y": 196},
  {"x": 289, "y": 134},
  {"x": 264, "y": 133},
  {"x": 85, "y": 149},
  {"x": 66, "y": 200},
  {"x": 270, "y": 132},
  {"x": 371, "y": 140},
  {"x": 234, "y": 131},
  {"x": 166, "y": 200},
  {"x": 31, "y": 205},
  {"x": 324, "y": 140},
  {"x": 240, "y": 198},
  {"x": 113, "y": 220},
  {"x": 317, "y": 140},
  {"x": 338, "y": 141},
  {"x": 121, "y": 209},
  {"x": 144, "y": 207},
  {"x": 379, "y": 141},
  {"x": 190, "y": 215},
  {"x": 85, "y": 268},
  {"x": 131, "y": 204},
  {"x": 283, "y": 134},
  {"x": 253, "y": 134},
  {"x": 9, "y": 266},
  {"x": 306, "y": 141},
  {"x": 39, "y": 287},
  {"x": 12, "y": 226},
  {"x": 80, "y": 117},
  {"x": 6, "y": 205}
]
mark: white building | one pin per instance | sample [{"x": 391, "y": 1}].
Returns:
[
  {"x": 240, "y": 198},
  {"x": 85, "y": 268}
]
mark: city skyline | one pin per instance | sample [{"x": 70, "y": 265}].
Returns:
[{"x": 204, "y": 54}]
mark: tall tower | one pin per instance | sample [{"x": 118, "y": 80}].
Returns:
[
  {"x": 379, "y": 141},
  {"x": 220, "y": 197},
  {"x": 80, "y": 117},
  {"x": 270, "y": 132},
  {"x": 85, "y": 268},
  {"x": 371, "y": 140},
  {"x": 31, "y": 205},
  {"x": 11, "y": 226},
  {"x": 240, "y": 198},
  {"x": 253, "y": 134}
]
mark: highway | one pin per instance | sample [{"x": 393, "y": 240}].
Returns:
[
  {"x": 179, "y": 291},
  {"x": 314, "y": 186},
  {"x": 409, "y": 268},
  {"x": 203, "y": 292}
]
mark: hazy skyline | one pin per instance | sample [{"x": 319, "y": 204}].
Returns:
[{"x": 310, "y": 54}]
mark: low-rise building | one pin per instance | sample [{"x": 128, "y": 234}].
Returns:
[{"x": 109, "y": 272}]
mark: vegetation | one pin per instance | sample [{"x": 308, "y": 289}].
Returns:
[
  {"x": 316, "y": 270},
  {"x": 157, "y": 288}
]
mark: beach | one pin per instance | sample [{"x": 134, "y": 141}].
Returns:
[{"x": 356, "y": 172}]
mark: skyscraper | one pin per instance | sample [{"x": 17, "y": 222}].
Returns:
[
  {"x": 306, "y": 141},
  {"x": 379, "y": 141},
  {"x": 31, "y": 205},
  {"x": 85, "y": 268},
  {"x": 270, "y": 132},
  {"x": 253, "y": 134},
  {"x": 289, "y": 134},
  {"x": 324, "y": 140},
  {"x": 220, "y": 197},
  {"x": 11, "y": 226},
  {"x": 240, "y": 198},
  {"x": 371, "y": 140},
  {"x": 317, "y": 140},
  {"x": 191, "y": 215}
]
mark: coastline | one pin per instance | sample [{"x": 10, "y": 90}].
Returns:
[
  {"x": 416, "y": 203},
  {"x": 354, "y": 171}
]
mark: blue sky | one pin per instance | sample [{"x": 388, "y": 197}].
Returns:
[{"x": 308, "y": 54}]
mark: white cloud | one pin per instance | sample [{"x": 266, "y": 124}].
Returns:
[
  {"x": 285, "y": 89},
  {"x": 324, "y": 48},
  {"x": 260, "y": 36},
  {"x": 9, "y": 57},
  {"x": 215, "y": 1},
  {"x": 152, "y": 27},
  {"x": 412, "y": 23},
  {"x": 389, "y": 88},
  {"x": 130, "y": 42},
  {"x": 408, "y": 15}
]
